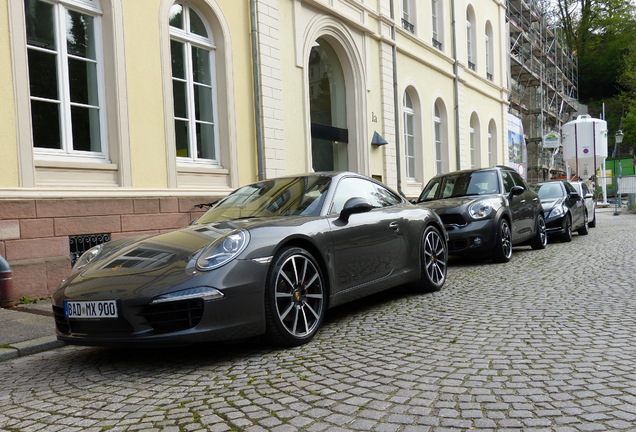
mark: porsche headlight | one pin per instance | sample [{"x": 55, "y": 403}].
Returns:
[
  {"x": 480, "y": 210},
  {"x": 87, "y": 257},
  {"x": 222, "y": 250},
  {"x": 556, "y": 211}
]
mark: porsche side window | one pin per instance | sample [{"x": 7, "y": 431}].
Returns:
[
  {"x": 384, "y": 197},
  {"x": 350, "y": 187}
]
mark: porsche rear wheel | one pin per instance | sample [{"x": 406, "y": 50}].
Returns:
[
  {"x": 295, "y": 297},
  {"x": 434, "y": 256}
]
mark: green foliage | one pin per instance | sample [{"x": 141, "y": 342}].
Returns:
[{"x": 602, "y": 33}]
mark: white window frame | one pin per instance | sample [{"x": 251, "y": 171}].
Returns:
[
  {"x": 472, "y": 147},
  {"x": 437, "y": 28},
  {"x": 86, "y": 7},
  {"x": 492, "y": 143},
  {"x": 409, "y": 13},
  {"x": 489, "y": 52},
  {"x": 434, "y": 19},
  {"x": 190, "y": 40},
  {"x": 437, "y": 138},
  {"x": 474, "y": 141},
  {"x": 409, "y": 136},
  {"x": 470, "y": 40}
]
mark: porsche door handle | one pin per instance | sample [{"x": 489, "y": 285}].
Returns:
[{"x": 394, "y": 226}]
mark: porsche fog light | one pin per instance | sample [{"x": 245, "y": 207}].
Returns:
[
  {"x": 480, "y": 210},
  {"x": 222, "y": 250},
  {"x": 204, "y": 293},
  {"x": 88, "y": 256}
]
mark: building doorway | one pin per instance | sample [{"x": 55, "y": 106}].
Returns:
[{"x": 328, "y": 110}]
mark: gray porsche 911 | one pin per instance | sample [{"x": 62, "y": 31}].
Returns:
[{"x": 270, "y": 258}]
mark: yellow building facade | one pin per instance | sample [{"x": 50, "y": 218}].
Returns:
[{"x": 120, "y": 116}]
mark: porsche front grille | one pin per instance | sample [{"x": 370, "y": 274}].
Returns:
[{"x": 174, "y": 316}]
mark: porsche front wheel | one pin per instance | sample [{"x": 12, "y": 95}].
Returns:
[{"x": 295, "y": 297}]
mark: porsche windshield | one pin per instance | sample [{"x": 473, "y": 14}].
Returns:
[
  {"x": 281, "y": 197},
  {"x": 461, "y": 184}
]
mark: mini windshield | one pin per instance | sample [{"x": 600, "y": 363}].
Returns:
[
  {"x": 291, "y": 196},
  {"x": 461, "y": 184}
]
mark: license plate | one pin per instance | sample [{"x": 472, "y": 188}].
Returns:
[{"x": 91, "y": 309}]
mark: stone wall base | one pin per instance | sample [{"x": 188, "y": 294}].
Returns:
[{"x": 35, "y": 233}]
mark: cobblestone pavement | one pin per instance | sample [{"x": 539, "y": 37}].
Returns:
[{"x": 542, "y": 343}]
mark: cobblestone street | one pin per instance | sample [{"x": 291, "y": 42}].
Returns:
[{"x": 542, "y": 343}]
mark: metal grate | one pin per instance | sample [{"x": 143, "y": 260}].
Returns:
[{"x": 81, "y": 243}]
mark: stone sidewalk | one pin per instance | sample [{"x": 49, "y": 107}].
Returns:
[{"x": 27, "y": 329}]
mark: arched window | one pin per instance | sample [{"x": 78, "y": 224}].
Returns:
[
  {"x": 470, "y": 39},
  {"x": 492, "y": 143},
  {"x": 193, "y": 86},
  {"x": 474, "y": 141},
  {"x": 66, "y": 80},
  {"x": 438, "y": 139},
  {"x": 409, "y": 137},
  {"x": 490, "y": 62},
  {"x": 437, "y": 23}
]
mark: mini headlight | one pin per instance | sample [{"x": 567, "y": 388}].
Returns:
[
  {"x": 222, "y": 250},
  {"x": 480, "y": 210},
  {"x": 87, "y": 257}
]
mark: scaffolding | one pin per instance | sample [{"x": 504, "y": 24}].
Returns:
[{"x": 543, "y": 87}]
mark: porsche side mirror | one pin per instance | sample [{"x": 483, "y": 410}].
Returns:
[{"x": 353, "y": 206}]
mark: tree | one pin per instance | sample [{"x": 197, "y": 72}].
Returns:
[{"x": 600, "y": 33}]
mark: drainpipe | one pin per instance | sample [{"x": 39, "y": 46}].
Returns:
[
  {"x": 456, "y": 86},
  {"x": 6, "y": 284},
  {"x": 258, "y": 112},
  {"x": 396, "y": 105}
]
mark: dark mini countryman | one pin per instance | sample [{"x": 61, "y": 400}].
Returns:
[{"x": 486, "y": 212}]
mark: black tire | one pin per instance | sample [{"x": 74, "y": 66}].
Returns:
[
  {"x": 540, "y": 239},
  {"x": 295, "y": 297},
  {"x": 566, "y": 236},
  {"x": 433, "y": 260},
  {"x": 584, "y": 230},
  {"x": 592, "y": 223},
  {"x": 503, "y": 242}
]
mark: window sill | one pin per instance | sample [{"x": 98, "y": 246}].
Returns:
[
  {"x": 199, "y": 169},
  {"x": 84, "y": 165}
]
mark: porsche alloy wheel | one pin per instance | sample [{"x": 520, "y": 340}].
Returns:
[
  {"x": 295, "y": 298},
  {"x": 434, "y": 260}
]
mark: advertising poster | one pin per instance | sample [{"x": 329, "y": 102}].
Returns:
[{"x": 517, "y": 153}]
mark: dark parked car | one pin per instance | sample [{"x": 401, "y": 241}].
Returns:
[
  {"x": 486, "y": 211},
  {"x": 563, "y": 209},
  {"x": 270, "y": 258}
]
